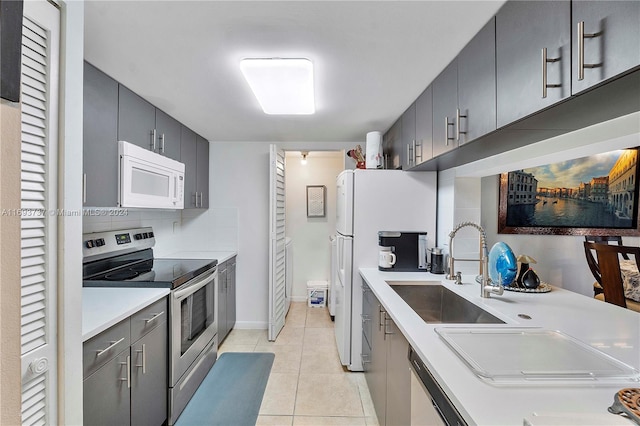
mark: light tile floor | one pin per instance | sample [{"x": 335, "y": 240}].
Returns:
[{"x": 307, "y": 384}]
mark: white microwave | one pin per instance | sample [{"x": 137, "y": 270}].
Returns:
[{"x": 148, "y": 180}]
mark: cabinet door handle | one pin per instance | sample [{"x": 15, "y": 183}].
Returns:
[
  {"x": 458, "y": 117},
  {"x": 380, "y": 312},
  {"x": 108, "y": 348},
  {"x": 581, "y": 36},
  {"x": 446, "y": 131},
  {"x": 143, "y": 351},
  {"x": 545, "y": 61},
  {"x": 162, "y": 143},
  {"x": 153, "y": 140},
  {"x": 128, "y": 378},
  {"x": 408, "y": 154},
  {"x": 153, "y": 318},
  {"x": 386, "y": 333},
  {"x": 413, "y": 150}
]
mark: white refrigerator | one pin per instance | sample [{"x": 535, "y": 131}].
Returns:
[{"x": 369, "y": 201}]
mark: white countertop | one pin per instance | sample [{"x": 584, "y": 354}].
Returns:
[
  {"x": 221, "y": 256},
  {"x": 103, "y": 307},
  {"x": 612, "y": 330}
]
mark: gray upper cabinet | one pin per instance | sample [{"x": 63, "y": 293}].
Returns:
[
  {"x": 392, "y": 146},
  {"x": 610, "y": 31},
  {"x": 445, "y": 107},
  {"x": 100, "y": 136},
  {"x": 136, "y": 120},
  {"x": 526, "y": 82},
  {"x": 188, "y": 156},
  {"x": 167, "y": 135},
  {"x": 477, "y": 85},
  {"x": 194, "y": 153},
  {"x": 424, "y": 126},
  {"x": 409, "y": 137},
  {"x": 202, "y": 171},
  {"x": 144, "y": 125}
]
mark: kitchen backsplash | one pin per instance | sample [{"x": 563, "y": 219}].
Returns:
[{"x": 175, "y": 230}]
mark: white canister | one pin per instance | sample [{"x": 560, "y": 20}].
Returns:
[{"x": 373, "y": 151}]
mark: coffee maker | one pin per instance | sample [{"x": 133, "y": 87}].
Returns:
[{"x": 409, "y": 248}]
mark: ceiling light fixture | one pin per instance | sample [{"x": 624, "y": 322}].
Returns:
[
  {"x": 304, "y": 157},
  {"x": 282, "y": 86}
]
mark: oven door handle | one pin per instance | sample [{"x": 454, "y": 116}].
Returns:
[{"x": 180, "y": 294}]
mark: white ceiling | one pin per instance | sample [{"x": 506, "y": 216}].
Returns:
[{"x": 371, "y": 58}]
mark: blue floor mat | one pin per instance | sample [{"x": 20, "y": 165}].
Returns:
[{"x": 231, "y": 394}]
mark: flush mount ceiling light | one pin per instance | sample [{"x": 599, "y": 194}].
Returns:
[{"x": 282, "y": 86}]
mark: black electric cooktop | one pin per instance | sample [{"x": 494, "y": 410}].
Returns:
[{"x": 141, "y": 269}]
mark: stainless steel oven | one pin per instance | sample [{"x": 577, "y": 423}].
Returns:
[
  {"x": 125, "y": 258},
  {"x": 193, "y": 340}
]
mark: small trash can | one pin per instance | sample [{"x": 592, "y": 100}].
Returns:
[{"x": 317, "y": 293}]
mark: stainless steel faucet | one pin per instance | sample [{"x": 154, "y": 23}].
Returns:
[{"x": 486, "y": 286}]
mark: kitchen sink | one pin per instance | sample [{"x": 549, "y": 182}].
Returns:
[{"x": 437, "y": 304}]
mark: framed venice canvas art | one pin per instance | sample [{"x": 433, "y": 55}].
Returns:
[{"x": 596, "y": 195}]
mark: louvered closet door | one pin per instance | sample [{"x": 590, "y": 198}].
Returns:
[
  {"x": 40, "y": 51},
  {"x": 277, "y": 304}
]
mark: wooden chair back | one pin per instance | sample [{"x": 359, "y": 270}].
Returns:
[
  {"x": 602, "y": 239},
  {"x": 608, "y": 258}
]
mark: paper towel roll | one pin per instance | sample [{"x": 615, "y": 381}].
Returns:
[{"x": 373, "y": 151}]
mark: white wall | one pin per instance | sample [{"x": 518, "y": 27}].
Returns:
[
  {"x": 239, "y": 182},
  {"x": 561, "y": 259},
  {"x": 310, "y": 236},
  {"x": 70, "y": 198}
]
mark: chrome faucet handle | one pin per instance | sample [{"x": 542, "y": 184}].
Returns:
[{"x": 459, "y": 278}]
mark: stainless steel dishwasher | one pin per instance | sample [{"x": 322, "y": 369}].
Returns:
[{"x": 429, "y": 404}]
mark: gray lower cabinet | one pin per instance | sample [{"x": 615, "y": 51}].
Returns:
[
  {"x": 398, "y": 376},
  {"x": 226, "y": 298},
  {"x": 231, "y": 293},
  {"x": 100, "y": 135},
  {"x": 477, "y": 86},
  {"x": 194, "y": 153},
  {"x": 125, "y": 371},
  {"x": 376, "y": 371},
  {"x": 386, "y": 366},
  {"x": 106, "y": 398},
  {"x": 222, "y": 302},
  {"x": 149, "y": 382},
  {"x": 445, "y": 107},
  {"x": 136, "y": 120},
  {"x": 610, "y": 31},
  {"x": 526, "y": 82}
]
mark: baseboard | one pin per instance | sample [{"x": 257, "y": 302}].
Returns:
[{"x": 251, "y": 325}]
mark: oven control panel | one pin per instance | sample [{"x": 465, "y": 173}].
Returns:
[{"x": 97, "y": 244}]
